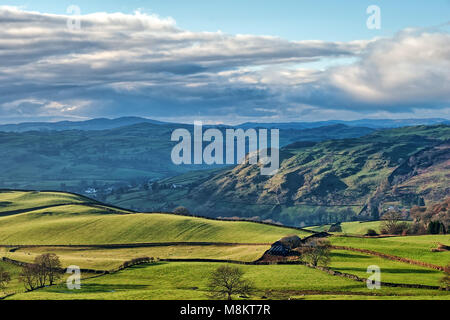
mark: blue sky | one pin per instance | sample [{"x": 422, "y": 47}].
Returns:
[
  {"x": 329, "y": 20},
  {"x": 272, "y": 61}
]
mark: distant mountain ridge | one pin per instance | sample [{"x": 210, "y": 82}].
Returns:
[
  {"x": 368, "y": 123},
  {"x": 104, "y": 124},
  {"x": 93, "y": 124}
]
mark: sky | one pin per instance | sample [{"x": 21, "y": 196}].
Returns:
[{"x": 223, "y": 61}]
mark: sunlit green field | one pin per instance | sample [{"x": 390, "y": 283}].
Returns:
[
  {"x": 391, "y": 271},
  {"x": 17, "y": 287},
  {"x": 106, "y": 259},
  {"x": 18, "y": 200},
  {"x": 411, "y": 247},
  {"x": 83, "y": 224},
  {"x": 351, "y": 228},
  {"x": 72, "y": 220},
  {"x": 188, "y": 281}
]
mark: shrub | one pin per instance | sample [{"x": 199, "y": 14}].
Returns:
[
  {"x": 417, "y": 228},
  {"x": 137, "y": 261},
  {"x": 371, "y": 233}
]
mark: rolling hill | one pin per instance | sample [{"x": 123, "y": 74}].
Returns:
[
  {"x": 87, "y": 125},
  {"x": 73, "y": 160},
  {"x": 92, "y": 235},
  {"x": 104, "y": 124},
  {"x": 71, "y": 220},
  {"x": 323, "y": 182},
  {"x": 367, "y": 123}
]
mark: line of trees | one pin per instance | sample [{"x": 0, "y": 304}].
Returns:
[
  {"x": 138, "y": 261},
  {"x": 46, "y": 269},
  {"x": 432, "y": 219}
]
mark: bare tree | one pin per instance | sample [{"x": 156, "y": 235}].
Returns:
[
  {"x": 227, "y": 281},
  {"x": 30, "y": 276},
  {"x": 50, "y": 267},
  {"x": 46, "y": 267},
  {"x": 41, "y": 272},
  {"x": 392, "y": 223},
  {"x": 315, "y": 252},
  {"x": 5, "y": 278}
]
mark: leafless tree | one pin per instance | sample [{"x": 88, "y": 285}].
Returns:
[
  {"x": 46, "y": 268},
  {"x": 315, "y": 252},
  {"x": 227, "y": 281},
  {"x": 392, "y": 223},
  {"x": 30, "y": 276},
  {"x": 50, "y": 267}
]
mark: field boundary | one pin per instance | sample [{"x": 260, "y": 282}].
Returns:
[
  {"x": 386, "y": 284},
  {"x": 19, "y": 211},
  {"x": 392, "y": 257},
  {"x": 132, "y": 245},
  {"x": 99, "y": 273},
  {"x": 61, "y": 270}
]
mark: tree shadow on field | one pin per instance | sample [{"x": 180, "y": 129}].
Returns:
[
  {"x": 389, "y": 270},
  {"x": 99, "y": 288},
  {"x": 348, "y": 255}
]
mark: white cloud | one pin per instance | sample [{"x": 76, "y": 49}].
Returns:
[
  {"x": 411, "y": 68},
  {"x": 121, "y": 64}
]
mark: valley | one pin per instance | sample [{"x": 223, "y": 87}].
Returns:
[
  {"x": 101, "y": 239},
  {"x": 140, "y": 227},
  {"x": 318, "y": 182}
]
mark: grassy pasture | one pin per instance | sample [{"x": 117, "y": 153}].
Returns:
[
  {"x": 351, "y": 228},
  {"x": 391, "y": 271},
  {"x": 18, "y": 200},
  {"x": 81, "y": 225},
  {"x": 411, "y": 247},
  {"x": 15, "y": 285},
  {"x": 188, "y": 281},
  {"x": 106, "y": 259},
  {"x": 66, "y": 219},
  {"x": 360, "y": 228}
]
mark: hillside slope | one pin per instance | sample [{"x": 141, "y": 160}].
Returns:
[
  {"x": 73, "y": 160},
  {"x": 97, "y": 224},
  {"x": 328, "y": 181}
]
